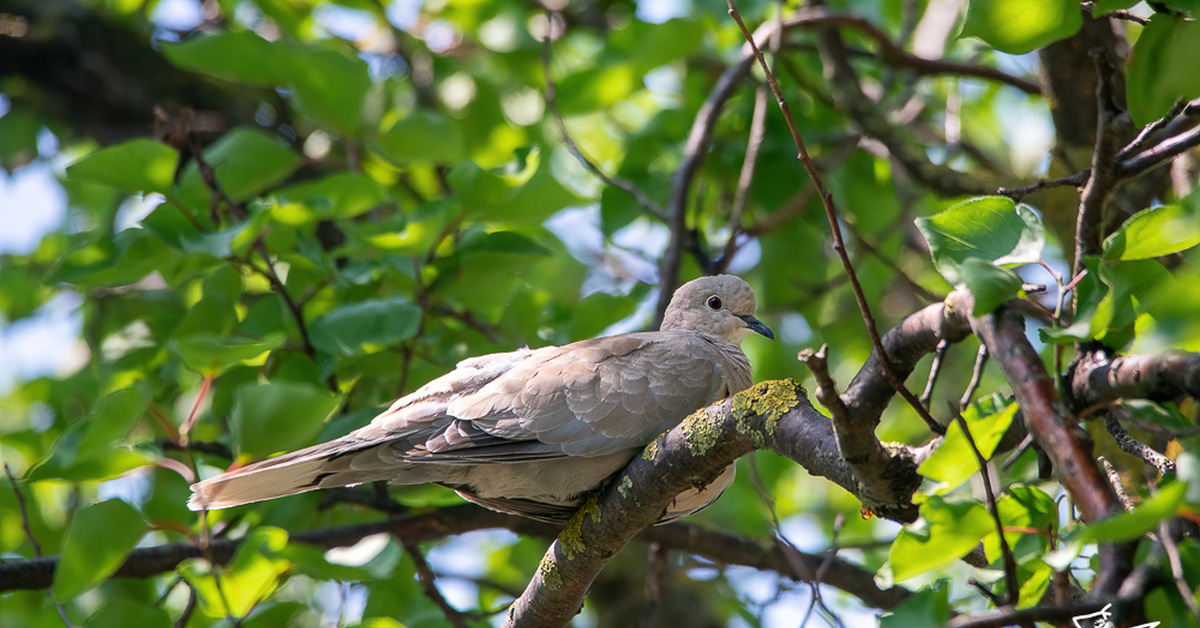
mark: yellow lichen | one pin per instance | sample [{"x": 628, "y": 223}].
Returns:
[
  {"x": 548, "y": 570},
  {"x": 571, "y": 538},
  {"x": 650, "y": 451},
  {"x": 625, "y": 487},
  {"x": 700, "y": 432},
  {"x": 769, "y": 400}
]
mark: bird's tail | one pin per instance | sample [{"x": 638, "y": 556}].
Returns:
[{"x": 325, "y": 465}]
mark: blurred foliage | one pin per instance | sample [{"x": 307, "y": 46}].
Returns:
[{"x": 396, "y": 174}]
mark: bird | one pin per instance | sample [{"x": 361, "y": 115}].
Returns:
[{"x": 533, "y": 432}]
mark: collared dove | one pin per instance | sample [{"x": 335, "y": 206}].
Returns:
[{"x": 532, "y": 432}]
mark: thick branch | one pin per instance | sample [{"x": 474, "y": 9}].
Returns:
[
  {"x": 720, "y": 547},
  {"x": 1097, "y": 378},
  {"x": 906, "y": 343},
  {"x": 772, "y": 415},
  {"x": 1003, "y": 332},
  {"x": 894, "y": 55}
]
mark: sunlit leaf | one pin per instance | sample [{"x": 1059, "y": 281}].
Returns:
[
  {"x": 954, "y": 461},
  {"x": 278, "y": 416},
  {"x": 357, "y": 327},
  {"x": 1154, "y": 232},
  {"x": 1021, "y": 26},
  {"x": 252, "y": 575},
  {"x": 1144, "y": 518},
  {"x": 138, "y": 165},
  {"x": 211, "y": 354},
  {"x": 235, "y": 56},
  {"x": 423, "y": 137},
  {"x": 1156, "y": 78},
  {"x": 928, "y": 607},
  {"x": 98, "y": 538},
  {"x": 948, "y": 530}
]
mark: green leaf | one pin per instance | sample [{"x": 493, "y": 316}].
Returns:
[
  {"x": 330, "y": 87},
  {"x": 480, "y": 190},
  {"x": 253, "y": 575},
  {"x": 245, "y": 162},
  {"x": 366, "y": 326},
  {"x": 674, "y": 39},
  {"x": 342, "y": 195},
  {"x": 954, "y": 461},
  {"x": 139, "y": 165},
  {"x": 123, "y": 613},
  {"x": 423, "y": 137},
  {"x": 949, "y": 529},
  {"x": 92, "y": 448},
  {"x": 928, "y": 607},
  {"x": 212, "y": 354},
  {"x": 1023, "y": 507},
  {"x": 1090, "y": 291},
  {"x": 1142, "y": 519},
  {"x": 990, "y": 228},
  {"x": 1156, "y": 75},
  {"x": 1165, "y": 414},
  {"x": 1034, "y": 583},
  {"x": 234, "y": 56},
  {"x": 1104, "y": 7},
  {"x": 1021, "y": 26},
  {"x": 278, "y": 416},
  {"x": 990, "y": 284},
  {"x": 134, "y": 253},
  {"x": 1132, "y": 286},
  {"x": 98, "y": 538},
  {"x": 1153, "y": 233},
  {"x": 596, "y": 89},
  {"x": 509, "y": 242}
]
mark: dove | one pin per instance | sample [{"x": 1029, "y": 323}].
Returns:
[{"x": 533, "y": 432}]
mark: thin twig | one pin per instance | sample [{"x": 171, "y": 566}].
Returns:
[
  {"x": 186, "y": 428},
  {"x": 1143, "y": 136},
  {"x": 838, "y": 242},
  {"x": 37, "y": 548},
  {"x": 239, "y": 212},
  {"x": 655, "y": 566},
  {"x": 428, "y": 582},
  {"x": 996, "y": 600},
  {"x": 981, "y": 358},
  {"x": 628, "y": 187},
  {"x": 827, "y": 392},
  {"x": 12, "y": 481},
  {"x": 1023, "y": 447},
  {"x": 1134, "y": 447},
  {"x": 870, "y": 247},
  {"x": 1019, "y": 194},
  {"x": 1118, "y": 486},
  {"x": 753, "y": 144},
  {"x": 1010, "y": 562},
  {"x": 935, "y": 369},
  {"x": 1172, "y": 551},
  {"x": 1165, "y": 151}
]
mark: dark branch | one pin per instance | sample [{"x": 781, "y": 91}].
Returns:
[{"x": 771, "y": 415}]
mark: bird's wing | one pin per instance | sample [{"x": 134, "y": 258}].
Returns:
[
  {"x": 588, "y": 398},
  {"x": 367, "y": 454}
]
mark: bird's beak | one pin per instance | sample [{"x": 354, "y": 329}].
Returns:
[{"x": 757, "y": 326}]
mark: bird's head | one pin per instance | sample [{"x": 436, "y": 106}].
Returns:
[{"x": 721, "y": 306}]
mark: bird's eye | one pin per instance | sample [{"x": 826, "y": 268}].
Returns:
[{"x": 714, "y": 302}]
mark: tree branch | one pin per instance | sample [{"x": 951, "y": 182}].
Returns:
[
  {"x": 1003, "y": 332},
  {"x": 1098, "y": 378},
  {"x": 773, "y": 415}
]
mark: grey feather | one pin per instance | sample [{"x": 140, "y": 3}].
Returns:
[{"x": 533, "y": 431}]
